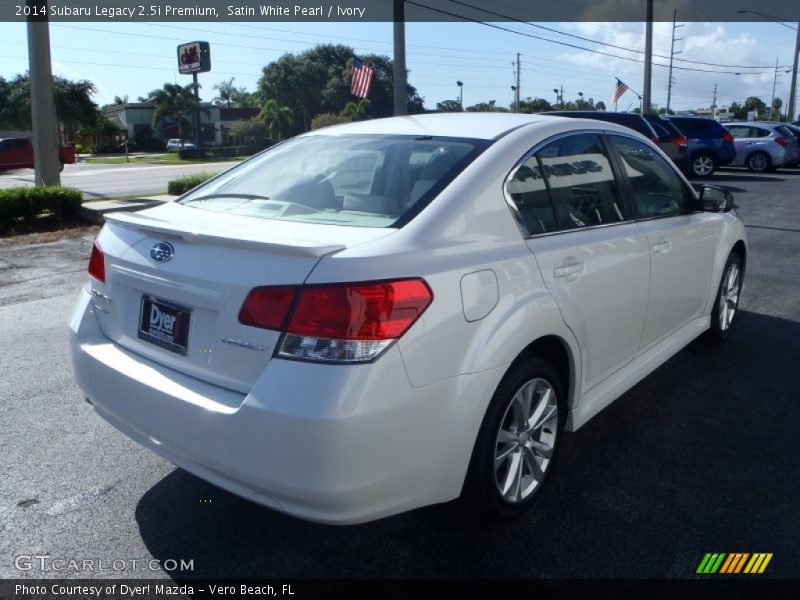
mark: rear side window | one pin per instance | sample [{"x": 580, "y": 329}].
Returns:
[
  {"x": 568, "y": 184},
  {"x": 657, "y": 188}
]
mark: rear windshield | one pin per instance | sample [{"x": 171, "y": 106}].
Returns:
[
  {"x": 695, "y": 125},
  {"x": 357, "y": 180}
]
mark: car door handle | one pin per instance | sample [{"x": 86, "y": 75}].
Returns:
[
  {"x": 570, "y": 266},
  {"x": 661, "y": 246}
]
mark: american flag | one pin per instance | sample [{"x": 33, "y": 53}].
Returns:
[
  {"x": 362, "y": 78},
  {"x": 620, "y": 89}
]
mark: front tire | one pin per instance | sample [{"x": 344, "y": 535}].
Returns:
[
  {"x": 517, "y": 442},
  {"x": 726, "y": 302}
]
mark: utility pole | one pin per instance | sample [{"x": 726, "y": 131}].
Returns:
[
  {"x": 774, "y": 83},
  {"x": 793, "y": 92},
  {"x": 714, "y": 104},
  {"x": 516, "y": 88},
  {"x": 400, "y": 75},
  {"x": 43, "y": 110},
  {"x": 672, "y": 54},
  {"x": 648, "y": 59}
]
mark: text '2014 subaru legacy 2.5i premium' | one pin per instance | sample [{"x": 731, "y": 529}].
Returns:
[{"x": 383, "y": 315}]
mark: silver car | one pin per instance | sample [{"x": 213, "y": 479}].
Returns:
[{"x": 763, "y": 146}]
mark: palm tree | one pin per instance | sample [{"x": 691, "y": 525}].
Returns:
[
  {"x": 227, "y": 93},
  {"x": 275, "y": 117},
  {"x": 177, "y": 103},
  {"x": 357, "y": 111}
]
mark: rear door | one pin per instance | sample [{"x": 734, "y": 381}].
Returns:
[
  {"x": 682, "y": 240},
  {"x": 592, "y": 256}
]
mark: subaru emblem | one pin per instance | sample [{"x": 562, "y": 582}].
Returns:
[{"x": 162, "y": 252}]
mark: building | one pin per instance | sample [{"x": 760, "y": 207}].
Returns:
[{"x": 216, "y": 122}]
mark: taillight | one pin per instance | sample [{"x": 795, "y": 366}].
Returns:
[
  {"x": 267, "y": 307},
  {"x": 342, "y": 322},
  {"x": 728, "y": 137},
  {"x": 782, "y": 141},
  {"x": 97, "y": 263},
  {"x": 680, "y": 140},
  {"x": 654, "y": 140}
]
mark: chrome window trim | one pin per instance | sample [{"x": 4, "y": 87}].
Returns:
[{"x": 527, "y": 235}]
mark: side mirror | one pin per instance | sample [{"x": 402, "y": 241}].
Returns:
[{"x": 715, "y": 199}]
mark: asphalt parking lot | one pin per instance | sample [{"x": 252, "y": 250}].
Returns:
[{"x": 699, "y": 457}]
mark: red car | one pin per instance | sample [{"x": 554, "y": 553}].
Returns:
[{"x": 17, "y": 153}]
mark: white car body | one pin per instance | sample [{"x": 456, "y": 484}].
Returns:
[
  {"x": 349, "y": 443},
  {"x": 174, "y": 145}
]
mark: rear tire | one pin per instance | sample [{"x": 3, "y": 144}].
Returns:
[
  {"x": 726, "y": 302},
  {"x": 703, "y": 165},
  {"x": 518, "y": 441},
  {"x": 759, "y": 162}
]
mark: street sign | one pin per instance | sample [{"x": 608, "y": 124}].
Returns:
[{"x": 194, "y": 57}]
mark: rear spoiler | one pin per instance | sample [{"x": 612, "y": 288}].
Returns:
[{"x": 291, "y": 246}]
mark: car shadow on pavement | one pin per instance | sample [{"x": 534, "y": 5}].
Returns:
[{"x": 698, "y": 457}]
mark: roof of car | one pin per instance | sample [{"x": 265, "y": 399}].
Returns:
[{"x": 477, "y": 125}]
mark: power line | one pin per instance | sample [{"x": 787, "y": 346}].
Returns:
[
  {"x": 585, "y": 39},
  {"x": 569, "y": 45}
]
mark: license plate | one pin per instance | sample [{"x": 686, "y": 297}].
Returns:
[{"x": 164, "y": 324}]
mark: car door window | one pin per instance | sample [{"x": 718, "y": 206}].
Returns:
[
  {"x": 657, "y": 188},
  {"x": 567, "y": 184},
  {"x": 739, "y": 132}
]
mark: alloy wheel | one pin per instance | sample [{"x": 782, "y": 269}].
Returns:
[
  {"x": 758, "y": 162},
  {"x": 703, "y": 165},
  {"x": 525, "y": 441},
  {"x": 729, "y": 297}
]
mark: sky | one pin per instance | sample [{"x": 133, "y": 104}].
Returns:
[{"x": 130, "y": 59}]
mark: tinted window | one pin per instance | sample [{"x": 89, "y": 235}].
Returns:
[
  {"x": 706, "y": 127},
  {"x": 632, "y": 121},
  {"x": 358, "y": 180},
  {"x": 657, "y": 188},
  {"x": 568, "y": 184}
]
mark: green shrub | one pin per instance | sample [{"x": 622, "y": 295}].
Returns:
[
  {"x": 179, "y": 186},
  {"x": 24, "y": 204},
  {"x": 327, "y": 119}
]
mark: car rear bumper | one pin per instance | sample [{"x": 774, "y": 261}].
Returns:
[{"x": 329, "y": 443}]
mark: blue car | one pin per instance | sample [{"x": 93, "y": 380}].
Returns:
[{"x": 710, "y": 144}]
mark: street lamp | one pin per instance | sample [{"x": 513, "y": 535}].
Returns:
[
  {"x": 793, "y": 92},
  {"x": 555, "y": 91},
  {"x": 580, "y": 95},
  {"x": 460, "y": 85},
  {"x": 516, "y": 98}
]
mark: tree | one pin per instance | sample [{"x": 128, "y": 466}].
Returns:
[
  {"x": 120, "y": 100},
  {"x": 357, "y": 111},
  {"x": 777, "y": 104},
  {"x": 534, "y": 105},
  {"x": 489, "y": 106},
  {"x": 754, "y": 103},
  {"x": 252, "y": 131},
  {"x": 600, "y": 105},
  {"x": 318, "y": 81},
  {"x": 177, "y": 103},
  {"x": 276, "y": 118},
  {"x": 327, "y": 119},
  {"x": 448, "y": 106},
  {"x": 73, "y": 101},
  {"x": 228, "y": 93}
]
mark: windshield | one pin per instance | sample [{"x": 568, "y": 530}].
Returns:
[{"x": 357, "y": 180}]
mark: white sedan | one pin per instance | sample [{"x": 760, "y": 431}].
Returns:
[
  {"x": 175, "y": 145},
  {"x": 393, "y": 313}
]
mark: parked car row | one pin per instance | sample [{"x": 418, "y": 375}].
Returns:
[{"x": 699, "y": 146}]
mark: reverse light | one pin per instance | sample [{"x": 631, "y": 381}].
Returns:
[
  {"x": 97, "y": 263},
  {"x": 343, "y": 322},
  {"x": 782, "y": 141}
]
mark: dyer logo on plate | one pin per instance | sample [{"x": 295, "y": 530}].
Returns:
[{"x": 162, "y": 252}]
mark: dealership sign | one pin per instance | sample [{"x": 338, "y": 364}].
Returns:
[{"x": 194, "y": 57}]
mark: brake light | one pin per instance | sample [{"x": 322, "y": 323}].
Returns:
[
  {"x": 782, "y": 141},
  {"x": 97, "y": 263},
  {"x": 680, "y": 140},
  {"x": 267, "y": 307},
  {"x": 728, "y": 137},
  {"x": 342, "y": 322}
]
